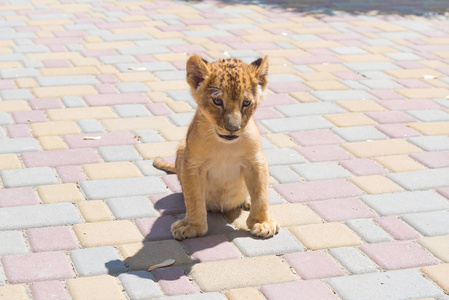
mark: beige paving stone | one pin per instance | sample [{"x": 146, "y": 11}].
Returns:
[
  {"x": 104, "y": 287},
  {"x": 136, "y": 76},
  {"x": 426, "y": 93},
  {"x": 436, "y": 83},
  {"x": 439, "y": 274},
  {"x": 66, "y": 192},
  {"x": 157, "y": 97},
  {"x": 52, "y": 142},
  {"x": 54, "y": 128},
  {"x": 13, "y": 292},
  {"x": 85, "y": 61},
  {"x": 140, "y": 256},
  {"x": 92, "y": 39},
  {"x": 164, "y": 86},
  {"x": 169, "y": 57},
  {"x": 244, "y": 294},
  {"x": 14, "y": 105},
  {"x": 327, "y": 235},
  {"x": 174, "y": 134},
  {"x": 180, "y": 106},
  {"x": 61, "y": 91},
  {"x": 379, "y": 49},
  {"x": 281, "y": 140},
  {"x": 87, "y": 70},
  {"x": 317, "y": 76},
  {"x": 382, "y": 25},
  {"x": 437, "y": 245},
  {"x": 360, "y": 58},
  {"x": 413, "y": 73},
  {"x": 131, "y": 124},
  {"x": 281, "y": 69},
  {"x": 10, "y": 65},
  {"x": 350, "y": 119},
  {"x": 399, "y": 163},
  {"x": 25, "y": 83},
  {"x": 78, "y": 113},
  {"x": 324, "y": 85},
  {"x": 376, "y": 184},
  {"x": 442, "y": 54},
  {"x": 431, "y": 128},
  {"x": 95, "y": 211},
  {"x": 107, "y": 233},
  {"x": 434, "y": 64},
  {"x": 109, "y": 170},
  {"x": 49, "y": 22},
  {"x": 360, "y": 105},
  {"x": 283, "y": 53},
  {"x": 107, "y": 69},
  {"x": 241, "y": 273},
  {"x": 380, "y": 148},
  {"x": 9, "y": 161},
  {"x": 152, "y": 150},
  {"x": 304, "y": 97}
]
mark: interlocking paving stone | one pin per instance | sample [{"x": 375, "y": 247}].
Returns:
[
  {"x": 51, "y": 239},
  {"x": 353, "y": 260},
  {"x": 431, "y": 143},
  {"x": 341, "y": 209},
  {"x": 60, "y": 157},
  {"x": 97, "y": 261},
  {"x": 429, "y": 223},
  {"x": 283, "y": 174},
  {"x": 42, "y": 290},
  {"x": 203, "y": 296},
  {"x": 98, "y": 287},
  {"x": 359, "y": 133},
  {"x": 368, "y": 231},
  {"x": 307, "y": 109},
  {"x": 321, "y": 171},
  {"x": 296, "y": 123},
  {"x": 120, "y": 153},
  {"x": 140, "y": 285},
  {"x": 282, "y": 156},
  {"x": 422, "y": 179},
  {"x": 18, "y": 145},
  {"x": 131, "y": 207},
  {"x": 300, "y": 290},
  {"x": 173, "y": 281},
  {"x": 397, "y": 228},
  {"x": 314, "y": 265},
  {"x": 211, "y": 248},
  {"x": 12, "y": 242},
  {"x": 437, "y": 245},
  {"x": 438, "y": 273}
]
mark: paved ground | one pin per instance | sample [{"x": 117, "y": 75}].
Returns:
[{"x": 355, "y": 128}]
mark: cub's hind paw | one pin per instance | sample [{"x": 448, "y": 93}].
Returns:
[
  {"x": 182, "y": 229},
  {"x": 265, "y": 229},
  {"x": 246, "y": 205}
]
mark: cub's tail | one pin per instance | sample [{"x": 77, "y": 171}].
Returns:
[{"x": 164, "y": 166}]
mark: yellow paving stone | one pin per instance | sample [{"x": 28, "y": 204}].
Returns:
[
  {"x": 281, "y": 140},
  {"x": 174, "y": 134},
  {"x": 45, "y": 34},
  {"x": 52, "y": 142},
  {"x": 121, "y": 124},
  {"x": 108, "y": 45},
  {"x": 164, "y": 86},
  {"x": 434, "y": 64},
  {"x": 399, "y": 163},
  {"x": 329, "y": 67},
  {"x": 7, "y": 43},
  {"x": 103, "y": 287},
  {"x": 54, "y": 128},
  {"x": 413, "y": 73},
  {"x": 152, "y": 150},
  {"x": 135, "y": 76},
  {"x": 244, "y": 294},
  {"x": 9, "y": 161},
  {"x": 107, "y": 69},
  {"x": 321, "y": 76},
  {"x": 436, "y": 83},
  {"x": 11, "y": 65},
  {"x": 66, "y": 192},
  {"x": 78, "y": 113},
  {"x": 380, "y": 148},
  {"x": 4, "y": 50},
  {"x": 431, "y": 128},
  {"x": 437, "y": 245},
  {"x": 436, "y": 40},
  {"x": 109, "y": 170},
  {"x": 26, "y": 83},
  {"x": 426, "y": 93},
  {"x": 180, "y": 106},
  {"x": 281, "y": 69},
  {"x": 360, "y": 58},
  {"x": 382, "y": 25},
  {"x": 171, "y": 57},
  {"x": 379, "y": 49},
  {"x": 13, "y": 292},
  {"x": 439, "y": 274},
  {"x": 215, "y": 46},
  {"x": 14, "y": 105},
  {"x": 92, "y": 39},
  {"x": 376, "y": 184},
  {"x": 350, "y": 119},
  {"x": 49, "y": 22},
  {"x": 61, "y": 91},
  {"x": 324, "y": 85},
  {"x": 304, "y": 97},
  {"x": 95, "y": 211},
  {"x": 107, "y": 233},
  {"x": 158, "y": 97},
  {"x": 327, "y": 235},
  {"x": 360, "y": 105},
  {"x": 85, "y": 61}
]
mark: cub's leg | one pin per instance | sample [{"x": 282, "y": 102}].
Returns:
[{"x": 256, "y": 179}]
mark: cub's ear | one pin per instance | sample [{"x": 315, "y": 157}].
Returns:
[
  {"x": 197, "y": 70},
  {"x": 259, "y": 68}
]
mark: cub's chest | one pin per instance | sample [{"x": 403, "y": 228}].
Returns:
[{"x": 224, "y": 171}]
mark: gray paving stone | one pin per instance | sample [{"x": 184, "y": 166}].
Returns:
[
  {"x": 321, "y": 170},
  {"x": 148, "y": 136},
  {"x": 403, "y": 56},
  {"x": 147, "y": 169},
  {"x": 19, "y": 145},
  {"x": 117, "y": 59},
  {"x": 202, "y": 296},
  {"x": 354, "y": 84},
  {"x": 342, "y": 95},
  {"x": 12, "y": 242},
  {"x": 66, "y": 80},
  {"x": 22, "y": 217},
  {"x": 11, "y": 56},
  {"x": 371, "y": 66},
  {"x": 237, "y": 26},
  {"x": 431, "y": 143},
  {"x": 309, "y": 109},
  {"x": 5, "y": 119},
  {"x": 275, "y": 198},
  {"x": 381, "y": 84},
  {"x": 2, "y": 134},
  {"x": 73, "y": 101},
  {"x": 406, "y": 202},
  {"x": 429, "y": 223},
  {"x": 171, "y": 75},
  {"x": 304, "y": 69},
  {"x": 284, "y": 174},
  {"x": 353, "y": 260},
  {"x": 443, "y": 102},
  {"x": 205, "y": 33},
  {"x": 119, "y": 153},
  {"x": 131, "y": 110},
  {"x": 217, "y": 224},
  {"x": 123, "y": 187},
  {"x": 181, "y": 119},
  {"x": 131, "y": 87},
  {"x": 150, "y": 67},
  {"x": 97, "y": 261},
  {"x": 285, "y": 77},
  {"x": 422, "y": 179},
  {"x": 17, "y": 73},
  {"x": 359, "y": 133},
  {"x": 33, "y": 64},
  {"x": 391, "y": 285},
  {"x": 140, "y": 285},
  {"x": 429, "y": 115},
  {"x": 282, "y": 156},
  {"x": 375, "y": 75},
  {"x": 143, "y": 50},
  {"x": 279, "y": 244},
  {"x": 266, "y": 144},
  {"x": 368, "y": 231},
  {"x": 296, "y": 124},
  {"x": 180, "y": 96},
  {"x": 131, "y": 207},
  {"x": 2, "y": 280},
  {"x": 90, "y": 125},
  {"x": 28, "y": 177},
  {"x": 16, "y": 94},
  {"x": 348, "y": 50}
]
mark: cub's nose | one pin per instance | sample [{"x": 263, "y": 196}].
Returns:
[{"x": 232, "y": 128}]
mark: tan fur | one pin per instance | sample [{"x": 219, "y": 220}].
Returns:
[{"x": 216, "y": 173}]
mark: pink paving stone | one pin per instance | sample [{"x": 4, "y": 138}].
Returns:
[
  {"x": 7, "y": 85},
  {"x": 18, "y": 130},
  {"x": 57, "y": 63},
  {"x": 390, "y": 117},
  {"x": 341, "y": 36},
  {"x": 317, "y": 190},
  {"x": 324, "y": 153},
  {"x": 320, "y": 51},
  {"x": 18, "y": 197},
  {"x": 107, "y": 78},
  {"x": 288, "y": 87},
  {"x": 409, "y": 64},
  {"x": 312, "y": 60},
  {"x": 107, "y": 139},
  {"x": 154, "y": 229},
  {"x": 409, "y": 104},
  {"x": 238, "y": 32},
  {"x": 386, "y": 94},
  {"x": 48, "y": 290},
  {"x": 349, "y": 76},
  {"x": 119, "y": 25},
  {"x": 313, "y": 265},
  {"x": 37, "y": 267},
  {"x": 31, "y": 116},
  {"x": 397, "y": 130},
  {"x": 434, "y": 159},
  {"x": 444, "y": 191},
  {"x": 211, "y": 248},
  {"x": 413, "y": 83},
  {"x": 45, "y": 103},
  {"x": 180, "y": 65},
  {"x": 47, "y": 239},
  {"x": 106, "y": 88},
  {"x": 159, "y": 109},
  {"x": 96, "y": 53},
  {"x": 226, "y": 39},
  {"x": 145, "y": 58},
  {"x": 186, "y": 48},
  {"x": 316, "y": 137},
  {"x": 397, "y": 228},
  {"x": 70, "y": 33},
  {"x": 54, "y": 158},
  {"x": 172, "y": 183},
  {"x": 70, "y": 174},
  {"x": 398, "y": 255},
  {"x": 113, "y": 99},
  {"x": 336, "y": 210},
  {"x": 363, "y": 166},
  {"x": 173, "y": 281},
  {"x": 57, "y": 48},
  {"x": 277, "y": 99},
  {"x": 298, "y": 290},
  {"x": 266, "y": 113},
  {"x": 173, "y": 28},
  {"x": 169, "y": 204}
]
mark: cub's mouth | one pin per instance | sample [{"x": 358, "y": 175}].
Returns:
[{"x": 229, "y": 137}]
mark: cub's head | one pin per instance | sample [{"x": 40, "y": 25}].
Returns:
[{"x": 227, "y": 91}]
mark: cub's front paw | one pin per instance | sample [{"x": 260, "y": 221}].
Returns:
[
  {"x": 182, "y": 229},
  {"x": 265, "y": 229}
]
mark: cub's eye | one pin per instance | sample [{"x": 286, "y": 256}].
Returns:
[
  {"x": 217, "y": 101},
  {"x": 246, "y": 103}
]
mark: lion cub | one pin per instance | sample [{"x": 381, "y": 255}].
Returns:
[{"x": 220, "y": 164}]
